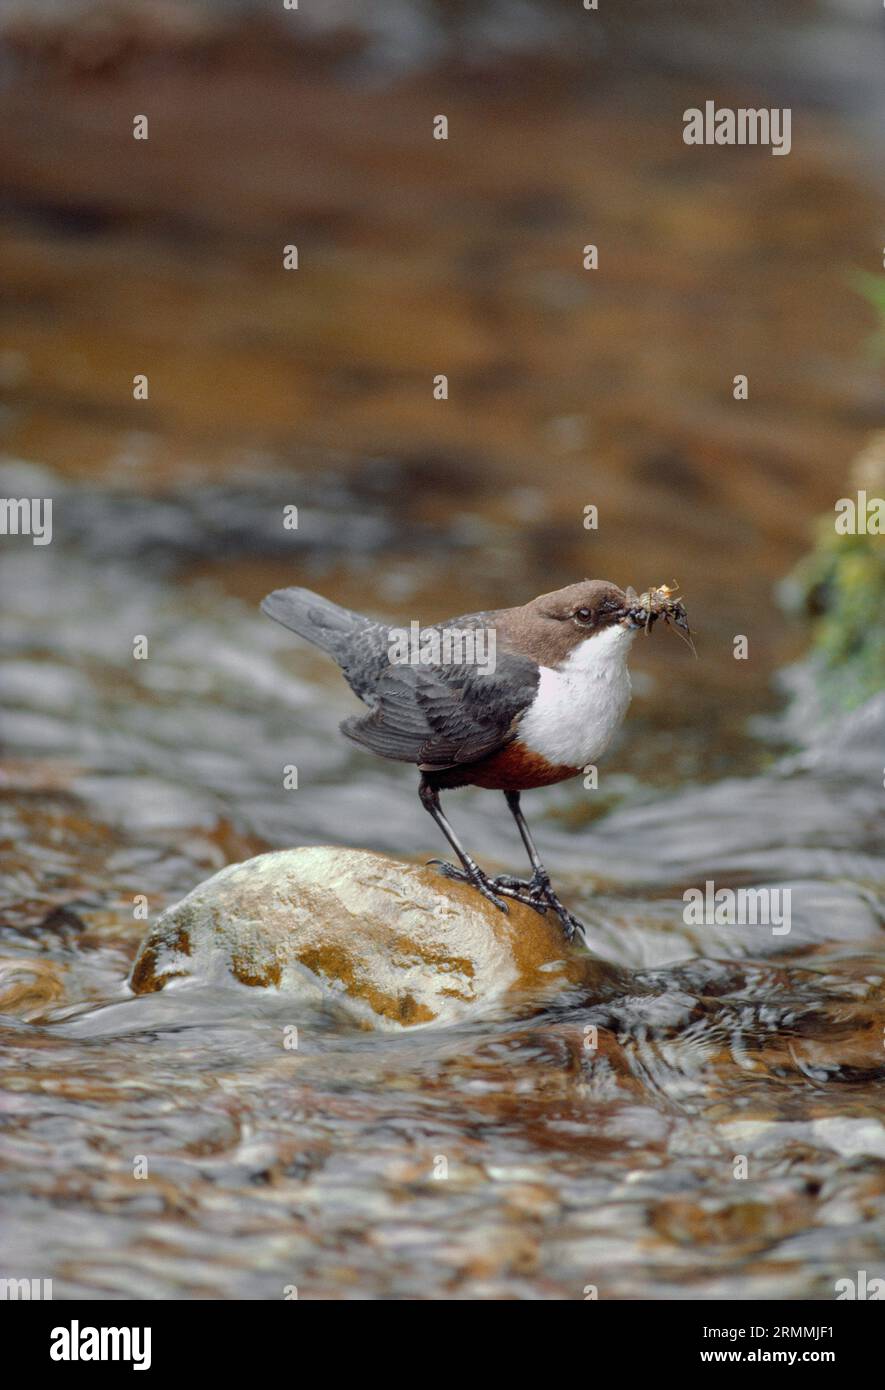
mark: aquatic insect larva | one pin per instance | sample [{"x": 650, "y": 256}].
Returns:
[{"x": 661, "y": 602}]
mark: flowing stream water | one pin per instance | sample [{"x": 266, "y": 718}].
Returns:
[{"x": 710, "y": 1126}]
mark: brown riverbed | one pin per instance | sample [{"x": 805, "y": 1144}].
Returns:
[{"x": 567, "y": 1166}]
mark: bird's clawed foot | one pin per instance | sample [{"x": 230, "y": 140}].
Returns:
[
  {"x": 477, "y": 879},
  {"x": 571, "y": 925},
  {"x": 529, "y": 891},
  {"x": 537, "y": 887},
  {"x": 537, "y": 892}
]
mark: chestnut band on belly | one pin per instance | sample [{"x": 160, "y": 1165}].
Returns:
[{"x": 514, "y": 768}]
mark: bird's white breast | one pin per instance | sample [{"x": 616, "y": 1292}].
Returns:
[{"x": 579, "y": 707}]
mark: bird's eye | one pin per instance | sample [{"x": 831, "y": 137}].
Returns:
[{"x": 583, "y": 615}]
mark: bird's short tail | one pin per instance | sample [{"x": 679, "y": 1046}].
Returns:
[
  {"x": 357, "y": 643},
  {"x": 310, "y": 615}
]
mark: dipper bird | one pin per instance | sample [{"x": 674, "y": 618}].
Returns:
[{"x": 548, "y": 704}]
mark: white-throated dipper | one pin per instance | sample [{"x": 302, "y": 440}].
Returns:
[{"x": 548, "y": 705}]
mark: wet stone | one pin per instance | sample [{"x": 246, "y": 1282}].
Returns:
[{"x": 394, "y": 944}]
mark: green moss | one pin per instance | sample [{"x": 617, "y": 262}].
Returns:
[
  {"x": 872, "y": 287},
  {"x": 841, "y": 584},
  {"x": 842, "y": 587}
]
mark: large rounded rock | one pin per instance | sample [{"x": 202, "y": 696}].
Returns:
[{"x": 395, "y": 943}]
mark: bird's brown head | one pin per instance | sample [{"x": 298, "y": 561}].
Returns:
[{"x": 551, "y": 626}]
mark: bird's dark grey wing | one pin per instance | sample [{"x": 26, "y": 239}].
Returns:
[
  {"x": 360, "y": 645},
  {"x": 446, "y": 716}
]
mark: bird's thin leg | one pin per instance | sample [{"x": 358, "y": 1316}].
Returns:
[
  {"x": 540, "y": 873},
  {"x": 539, "y": 885},
  {"x": 470, "y": 872}
]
